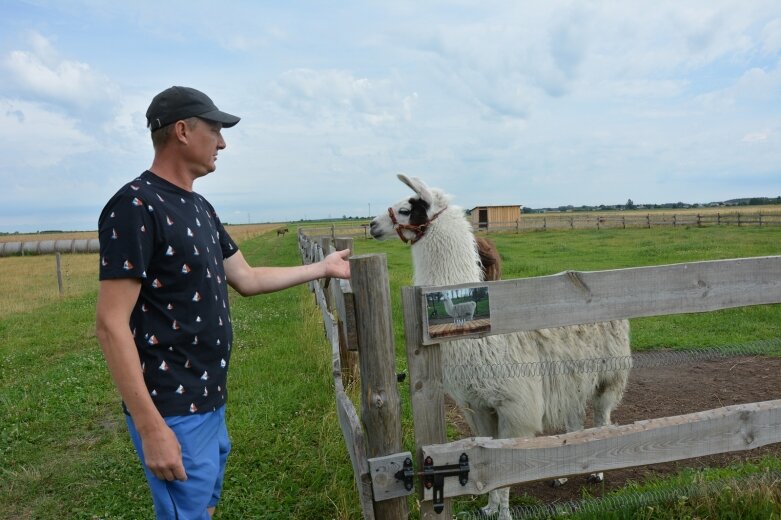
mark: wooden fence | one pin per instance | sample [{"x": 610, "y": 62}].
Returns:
[
  {"x": 621, "y": 220},
  {"x": 565, "y": 299}
]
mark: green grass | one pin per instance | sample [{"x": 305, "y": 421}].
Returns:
[{"x": 64, "y": 450}]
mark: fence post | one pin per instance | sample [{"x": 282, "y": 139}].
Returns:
[
  {"x": 718, "y": 218},
  {"x": 59, "y": 273},
  {"x": 699, "y": 220},
  {"x": 648, "y": 219},
  {"x": 348, "y": 358},
  {"x": 380, "y": 401},
  {"x": 426, "y": 389}
]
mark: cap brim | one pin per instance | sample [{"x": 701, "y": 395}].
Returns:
[{"x": 227, "y": 120}]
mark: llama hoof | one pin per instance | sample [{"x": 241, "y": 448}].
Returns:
[
  {"x": 596, "y": 478},
  {"x": 489, "y": 510},
  {"x": 558, "y": 482}
]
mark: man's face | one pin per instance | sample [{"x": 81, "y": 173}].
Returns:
[{"x": 204, "y": 144}]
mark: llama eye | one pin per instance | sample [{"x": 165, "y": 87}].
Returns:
[{"x": 404, "y": 212}]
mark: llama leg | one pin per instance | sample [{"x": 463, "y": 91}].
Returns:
[
  {"x": 603, "y": 403},
  {"x": 574, "y": 423},
  {"x": 513, "y": 422},
  {"x": 485, "y": 422}
]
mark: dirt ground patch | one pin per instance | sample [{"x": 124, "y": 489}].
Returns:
[{"x": 666, "y": 391}]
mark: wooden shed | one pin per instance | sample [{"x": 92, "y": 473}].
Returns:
[{"x": 484, "y": 217}]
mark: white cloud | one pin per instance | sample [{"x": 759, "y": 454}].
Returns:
[
  {"x": 42, "y": 73},
  {"x": 32, "y": 137},
  {"x": 337, "y": 97}
]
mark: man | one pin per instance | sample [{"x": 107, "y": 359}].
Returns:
[{"x": 163, "y": 319}]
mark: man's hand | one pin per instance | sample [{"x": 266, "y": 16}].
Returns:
[
  {"x": 336, "y": 264},
  {"x": 163, "y": 454}
]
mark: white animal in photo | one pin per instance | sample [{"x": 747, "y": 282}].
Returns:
[
  {"x": 444, "y": 252},
  {"x": 460, "y": 312}
]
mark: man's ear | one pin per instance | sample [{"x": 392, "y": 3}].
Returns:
[{"x": 181, "y": 131}]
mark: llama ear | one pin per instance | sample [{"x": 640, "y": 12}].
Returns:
[{"x": 419, "y": 187}]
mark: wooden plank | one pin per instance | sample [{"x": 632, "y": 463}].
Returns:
[
  {"x": 426, "y": 390},
  {"x": 380, "y": 400},
  {"x": 352, "y": 430},
  {"x": 499, "y": 463},
  {"x": 383, "y": 472},
  {"x": 574, "y": 297}
]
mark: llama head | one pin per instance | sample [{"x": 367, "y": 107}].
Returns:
[{"x": 412, "y": 214}]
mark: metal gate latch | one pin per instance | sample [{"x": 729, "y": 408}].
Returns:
[{"x": 434, "y": 477}]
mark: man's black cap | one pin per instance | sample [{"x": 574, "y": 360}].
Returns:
[{"x": 176, "y": 103}]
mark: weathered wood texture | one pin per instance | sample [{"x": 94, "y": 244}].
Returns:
[
  {"x": 380, "y": 400},
  {"x": 350, "y": 424},
  {"x": 572, "y": 297},
  {"x": 496, "y": 463},
  {"x": 426, "y": 391}
]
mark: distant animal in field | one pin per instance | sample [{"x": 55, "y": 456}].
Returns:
[
  {"x": 281, "y": 231},
  {"x": 445, "y": 252}
]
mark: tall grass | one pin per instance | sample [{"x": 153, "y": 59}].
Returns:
[{"x": 64, "y": 451}]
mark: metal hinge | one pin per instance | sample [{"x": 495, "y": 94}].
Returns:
[{"x": 434, "y": 477}]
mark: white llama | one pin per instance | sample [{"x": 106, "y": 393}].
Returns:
[
  {"x": 444, "y": 252},
  {"x": 460, "y": 312}
]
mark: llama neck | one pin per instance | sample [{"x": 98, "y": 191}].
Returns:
[
  {"x": 449, "y": 306},
  {"x": 447, "y": 254}
]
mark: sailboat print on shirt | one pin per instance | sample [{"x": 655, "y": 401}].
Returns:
[
  {"x": 156, "y": 283},
  {"x": 169, "y": 221},
  {"x": 137, "y": 202},
  {"x": 127, "y": 266},
  {"x": 152, "y": 340},
  {"x": 193, "y": 408},
  {"x": 180, "y": 390},
  {"x": 170, "y": 251},
  {"x": 114, "y": 234},
  {"x": 164, "y": 366},
  {"x": 197, "y": 296},
  {"x": 175, "y": 325},
  {"x": 185, "y": 269}
]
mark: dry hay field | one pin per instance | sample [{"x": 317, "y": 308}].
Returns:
[{"x": 30, "y": 282}]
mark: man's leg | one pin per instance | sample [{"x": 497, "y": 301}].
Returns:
[{"x": 199, "y": 435}]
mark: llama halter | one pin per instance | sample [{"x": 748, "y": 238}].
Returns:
[{"x": 419, "y": 230}]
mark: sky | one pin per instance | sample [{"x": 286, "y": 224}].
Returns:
[{"x": 538, "y": 103}]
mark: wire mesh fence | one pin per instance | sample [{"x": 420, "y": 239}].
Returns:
[{"x": 640, "y": 360}]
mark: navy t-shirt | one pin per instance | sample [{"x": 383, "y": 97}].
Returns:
[{"x": 174, "y": 243}]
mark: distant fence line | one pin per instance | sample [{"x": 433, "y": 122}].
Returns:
[
  {"x": 44, "y": 247},
  {"x": 537, "y": 222},
  {"x": 543, "y": 222}
]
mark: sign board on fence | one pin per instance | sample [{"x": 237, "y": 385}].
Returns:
[{"x": 459, "y": 312}]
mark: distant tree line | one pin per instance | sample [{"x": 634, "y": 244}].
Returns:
[{"x": 631, "y": 205}]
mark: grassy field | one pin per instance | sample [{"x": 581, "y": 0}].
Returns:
[{"x": 63, "y": 444}]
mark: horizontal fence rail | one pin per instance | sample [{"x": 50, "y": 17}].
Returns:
[
  {"x": 497, "y": 463},
  {"x": 574, "y": 297}
]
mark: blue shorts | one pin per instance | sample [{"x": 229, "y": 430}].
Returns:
[{"x": 205, "y": 447}]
